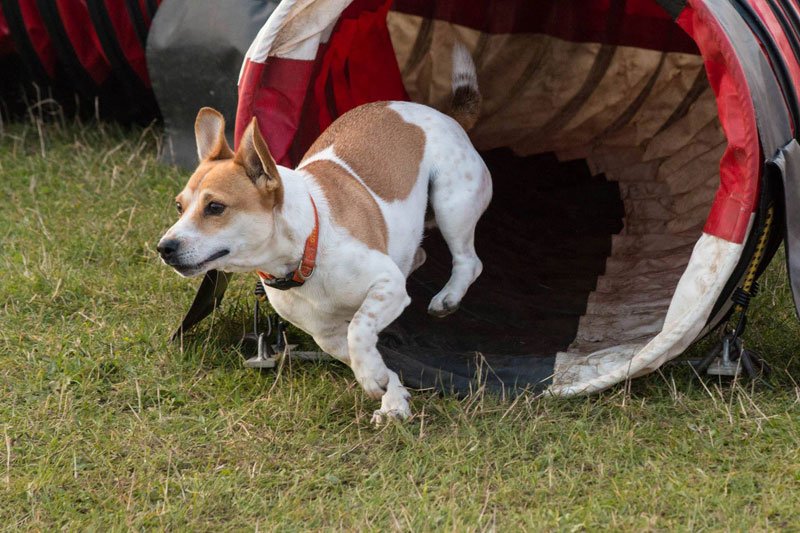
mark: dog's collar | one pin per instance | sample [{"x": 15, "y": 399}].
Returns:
[{"x": 307, "y": 264}]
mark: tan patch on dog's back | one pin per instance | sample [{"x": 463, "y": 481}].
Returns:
[
  {"x": 382, "y": 148},
  {"x": 351, "y": 204}
]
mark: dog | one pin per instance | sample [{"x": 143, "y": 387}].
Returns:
[{"x": 335, "y": 239}]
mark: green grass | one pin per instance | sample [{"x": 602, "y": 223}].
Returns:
[{"x": 103, "y": 424}]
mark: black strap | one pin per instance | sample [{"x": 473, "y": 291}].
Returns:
[
  {"x": 791, "y": 12},
  {"x": 208, "y": 297},
  {"x": 282, "y": 284},
  {"x": 786, "y": 25},
  {"x": 152, "y": 7},
  {"x": 673, "y": 7},
  {"x": 779, "y": 67},
  {"x": 137, "y": 17}
]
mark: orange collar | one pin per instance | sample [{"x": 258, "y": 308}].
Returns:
[{"x": 307, "y": 263}]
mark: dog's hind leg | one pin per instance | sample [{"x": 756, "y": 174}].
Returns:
[
  {"x": 458, "y": 202},
  {"x": 384, "y": 302}
]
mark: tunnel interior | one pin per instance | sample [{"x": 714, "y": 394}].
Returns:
[
  {"x": 605, "y": 163},
  {"x": 537, "y": 274}
]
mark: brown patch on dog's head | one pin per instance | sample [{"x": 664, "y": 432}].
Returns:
[
  {"x": 351, "y": 204},
  {"x": 225, "y": 183},
  {"x": 254, "y": 156},
  {"x": 227, "y": 207},
  {"x": 222, "y": 183},
  {"x": 382, "y": 148}
]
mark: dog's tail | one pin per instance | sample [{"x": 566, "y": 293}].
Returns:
[{"x": 465, "y": 106}]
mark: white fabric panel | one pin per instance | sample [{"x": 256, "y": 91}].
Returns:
[
  {"x": 712, "y": 263},
  {"x": 295, "y": 29}
]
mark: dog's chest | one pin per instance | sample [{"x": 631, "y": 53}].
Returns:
[{"x": 315, "y": 306}]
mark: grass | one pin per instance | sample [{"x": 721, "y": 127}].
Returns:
[{"x": 105, "y": 425}]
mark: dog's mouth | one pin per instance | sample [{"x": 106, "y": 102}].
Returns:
[{"x": 194, "y": 269}]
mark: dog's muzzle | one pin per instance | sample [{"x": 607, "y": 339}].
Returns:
[{"x": 168, "y": 249}]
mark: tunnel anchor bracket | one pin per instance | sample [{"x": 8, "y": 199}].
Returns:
[
  {"x": 271, "y": 355},
  {"x": 729, "y": 357}
]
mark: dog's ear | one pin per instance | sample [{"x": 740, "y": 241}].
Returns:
[
  {"x": 209, "y": 130},
  {"x": 254, "y": 156}
]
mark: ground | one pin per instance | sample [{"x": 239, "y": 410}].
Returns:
[{"x": 103, "y": 423}]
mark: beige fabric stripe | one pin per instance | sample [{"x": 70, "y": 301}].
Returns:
[
  {"x": 699, "y": 86},
  {"x": 599, "y": 68},
  {"x": 422, "y": 46},
  {"x": 637, "y": 102}
]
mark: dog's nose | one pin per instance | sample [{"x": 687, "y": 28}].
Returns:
[{"x": 168, "y": 247}]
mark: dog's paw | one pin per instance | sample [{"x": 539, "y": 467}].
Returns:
[
  {"x": 373, "y": 383},
  {"x": 443, "y": 304},
  {"x": 381, "y": 417},
  {"x": 394, "y": 405}
]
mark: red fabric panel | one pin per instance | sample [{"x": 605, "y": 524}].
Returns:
[
  {"x": 741, "y": 163},
  {"x": 309, "y": 128},
  {"x": 127, "y": 38},
  {"x": 78, "y": 25},
  {"x": 638, "y": 23},
  {"x": 358, "y": 65},
  {"x": 296, "y": 100},
  {"x": 37, "y": 33},
  {"x": 273, "y": 92},
  {"x": 765, "y": 13},
  {"x": 145, "y": 12},
  {"x": 6, "y": 44}
]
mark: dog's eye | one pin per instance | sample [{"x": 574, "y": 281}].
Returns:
[
  {"x": 179, "y": 207},
  {"x": 214, "y": 209}
]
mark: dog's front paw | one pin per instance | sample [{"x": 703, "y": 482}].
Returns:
[
  {"x": 394, "y": 405},
  {"x": 381, "y": 417},
  {"x": 443, "y": 304}
]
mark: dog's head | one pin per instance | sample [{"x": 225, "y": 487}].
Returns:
[{"x": 227, "y": 208}]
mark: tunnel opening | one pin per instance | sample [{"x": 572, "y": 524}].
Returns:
[
  {"x": 605, "y": 162},
  {"x": 544, "y": 241}
]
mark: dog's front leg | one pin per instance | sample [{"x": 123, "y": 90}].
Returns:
[{"x": 384, "y": 302}]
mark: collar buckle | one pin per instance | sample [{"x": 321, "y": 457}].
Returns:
[{"x": 281, "y": 284}]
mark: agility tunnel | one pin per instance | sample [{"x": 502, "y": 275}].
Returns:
[
  {"x": 92, "y": 48},
  {"x": 643, "y": 155}
]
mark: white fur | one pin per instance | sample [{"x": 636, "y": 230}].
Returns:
[
  {"x": 355, "y": 291},
  {"x": 353, "y": 282}
]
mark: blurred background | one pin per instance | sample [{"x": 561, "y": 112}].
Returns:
[{"x": 131, "y": 61}]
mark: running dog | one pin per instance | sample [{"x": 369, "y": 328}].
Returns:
[{"x": 334, "y": 239}]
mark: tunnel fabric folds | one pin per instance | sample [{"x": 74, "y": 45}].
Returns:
[
  {"x": 645, "y": 119},
  {"x": 625, "y": 143}
]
